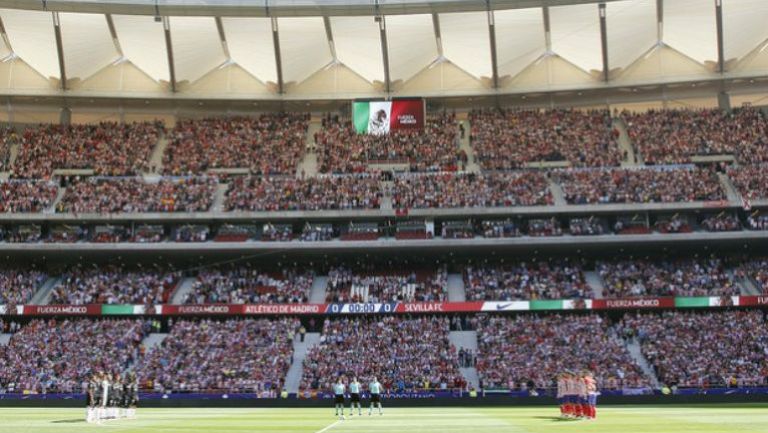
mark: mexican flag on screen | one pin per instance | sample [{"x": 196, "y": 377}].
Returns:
[{"x": 381, "y": 117}]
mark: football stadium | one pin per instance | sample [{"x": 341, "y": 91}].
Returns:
[{"x": 348, "y": 216}]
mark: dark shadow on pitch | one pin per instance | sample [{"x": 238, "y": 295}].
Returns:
[
  {"x": 67, "y": 421},
  {"x": 553, "y": 418}
]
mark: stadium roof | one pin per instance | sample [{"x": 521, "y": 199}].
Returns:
[{"x": 301, "y": 49}]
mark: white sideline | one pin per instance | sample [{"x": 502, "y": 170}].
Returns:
[{"x": 328, "y": 427}]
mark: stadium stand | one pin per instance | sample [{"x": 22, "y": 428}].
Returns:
[
  {"x": 528, "y": 351},
  {"x": 510, "y": 139},
  {"x": 248, "y": 355},
  {"x": 115, "y": 195},
  {"x": 681, "y": 277},
  {"x": 49, "y": 356},
  {"x": 640, "y": 186},
  {"x": 675, "y": 136},
  {"x": 690, "y": 349},
  {"x": 406, "y": 354},
  {"x": 270, "y": 144},
  {"x": 435, "y": 148},
  {"x": 449, "y": 190},
  {"x": 323, "y": 193},
  {"x": 107, "y": 148},
  {"x": 244, "y": 285},
  {"x": 26, "y": 197},
  {"x": 113, "y": 285}
]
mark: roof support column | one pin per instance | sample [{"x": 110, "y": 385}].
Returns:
[
  {"x": 278, "y": 57},
  {"x": 547, "y": 30},
  {"x": 659, "y": 21},
  {"x": 329, "y": 35},
  {"x": 113, "y": 34},
  {"x": 720, "y": 49},
  {"x": 5, "y": 37},
  {"x": 223, "y": 38},
  {"x": 60, "y": 50},
  {"x": 169, "y": 50},
  {"x": 604, "y": 39},
  {"x": 492, "y": 38},
  {"x": 384, "y": 51}
]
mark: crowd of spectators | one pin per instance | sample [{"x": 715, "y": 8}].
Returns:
[
  {"x": 246, "y": 285},
  {"x": 113, "y": 285},
  {"x": 681, "y": 277},
  {"x": 757, "y": 270},
  {"x": 17, "y": 286},
  {"x": 526, "y": 280},
  {"x": 694, "y": 349},
  {"x": 375, "y": 285},
  {"x": 757, "y": 221},
  {"x": 510, "y": 139},
  {"x": 435, "y": 148},
  {"x": 108, "y": 148},
  {"x": 267, "y": 145},
  {"x": 450, "y": 190},
  {"x": 640, "y": 186},
  {"x": 32, "y": 196},
  {"x": 721, "y": 223},
  {"x": 675, "y": 136},
  {"x": 751, "y": 181},
  {"x": 292, "y": 194},
  {"x": 243, "y": 355},
  {"x": 115, "y": 195},
  {"x": 47, "y": 356},
  {"x": 402, "y": 353},
  {"x": 529, "y": 351},
  {"x": 586, "y": 226}
]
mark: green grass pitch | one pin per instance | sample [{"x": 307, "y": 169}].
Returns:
[{"x": 615, "y": 419}]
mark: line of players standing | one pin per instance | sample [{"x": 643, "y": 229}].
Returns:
[
  {"x": 355, "y": 389},
  {"x": 110, "y": 397},
  {"x": 577, "y": 394}
]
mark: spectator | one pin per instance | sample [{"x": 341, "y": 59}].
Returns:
[
  {"x": 448, "y": 190},
  {"x": 509, "y": 139}
]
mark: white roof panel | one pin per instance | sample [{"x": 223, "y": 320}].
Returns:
[
  {"x": 251, "y": 46},
  {"x": 689, "y": 27},
  {"x": 411, "y": 43},
  {"x": 466, "y": 42},
  {"x": 358, "y": 45},
  {"x": 745, "y": 26},
  {"x": 88, "y": 45},
  {"x": 32, "y": 38},
  {"x": 519, "y": 39},
  {"x": 143, "y": 43},
  {"x": 632, "y": 30},
  {"x": 304, "y": 47},
  {"x": 575, "y": 32},
  {"x": 197, "y": 47}
]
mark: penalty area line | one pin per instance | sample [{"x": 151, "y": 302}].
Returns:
[{"x": 325, "y": 429}]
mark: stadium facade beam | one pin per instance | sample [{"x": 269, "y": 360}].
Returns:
[
  {"x": 113, "y": 34},
  {"x": 604, "y": 39},
  {"x": 492, "y": 38},
  {"x": 659, "y": 21},
  {"x": 329, "y": 36},
  {"x": 60, "y": 49},
  {"x": 278, "y": 56},
  {"x": 720, "y": 47},
  {"x": 547, "y": 30},
  {"x": 384, "y": 51},
  {"x": 4, "y": 35},
  {"x": 223, "y": 37},
  {"x": 169, "y": 51},
  {"x": 438, "y": 35}
]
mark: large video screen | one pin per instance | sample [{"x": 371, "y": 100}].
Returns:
[{"x": 381, "y": 117}]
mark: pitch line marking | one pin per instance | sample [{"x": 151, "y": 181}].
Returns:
[{"x": 328, "y": 427}]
